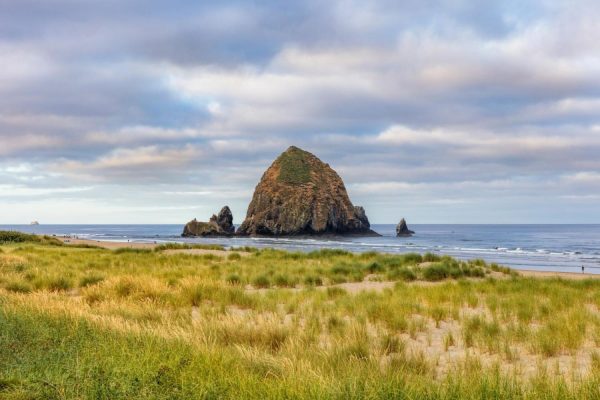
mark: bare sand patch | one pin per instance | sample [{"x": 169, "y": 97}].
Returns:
[
  {"x": 107, "y": 245},
  {"x": 562, "y": 275}
]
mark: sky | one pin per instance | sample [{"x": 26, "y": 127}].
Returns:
[{"x": 148, "y": 111}]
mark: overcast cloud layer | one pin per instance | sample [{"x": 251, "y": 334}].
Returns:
[{"x": 440, "y": 112}]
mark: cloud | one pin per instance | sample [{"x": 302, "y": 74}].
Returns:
[
  {"x": 142, "y": 163},
  {"x": 436, "y": 108},
  {"x": 24, "y": 191}
]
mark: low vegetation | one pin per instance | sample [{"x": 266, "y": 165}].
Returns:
[
  {"x": 188, "y": 246},
  {"x": 95, "y": 323},
  {"x": 294, "y": 168},
  {"x": 7, "y": 237}
]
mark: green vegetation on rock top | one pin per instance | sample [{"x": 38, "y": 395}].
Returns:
[{"x": 294, "y": 167}]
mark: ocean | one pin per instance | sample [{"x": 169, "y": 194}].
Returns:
[{"x": 527, "y": 247}]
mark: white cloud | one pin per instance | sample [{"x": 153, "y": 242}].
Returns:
[
  {"x": 24, "y": 191},
  {"x": 405, "y": 101}
]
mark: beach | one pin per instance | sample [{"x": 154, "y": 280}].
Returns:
[{"x": 136, "y": 245}]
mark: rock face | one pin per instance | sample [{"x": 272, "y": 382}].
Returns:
[
  {"x": 218, "y": 225},
  {"x": 300, "y": 195},
  {"x": 224, "y": 220},
  {"x": 402, "y": 229}
]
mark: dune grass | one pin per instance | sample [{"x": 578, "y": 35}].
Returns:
[
  {"x": 95, "y": 323},
  {"x": 188, "y": 246}
]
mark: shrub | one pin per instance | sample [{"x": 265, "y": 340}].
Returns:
[
  {"x": 234, "y": 257},
  {"x": 246, "y": 249},
  {"x": 393, "y": 261},
  {"x": 326, "y": 253},
  {"x": 430, "y": 257},
  {"x": 261, "y": 281},
  {"x": 313, "y": 281},
  {"x": 436, "y": 272},
  {"x": 333, "y": 292},
  {"x": 284, "y": 281},
  {"x": 413, "y": 258},
  {"x": 336, "y": 324},
  {"x": 478, "y": 262},
  {"x": 59, "y": 284},
  {"x": 125, "y": 287},
  {"x": 498, "y": 268},
  {"x": 131, "y": 250},
  {"x": 336, "y": 279},
  {"x": 358, "y": 350},
  {"x": 19, "y": 237},
  {"x": 188, "y": 246},
  {"x": 234, "y": 279},
  {"x": 341, "y": 269},
  {"x": 406, "y": 274},
  {"x": 369, "y": 254},
  {"x": 18, "y": 287},
  {"x": 477, "y": 272},
  {"x": 392, "y": 344},
  {"x": 90, "y": 280},
  {"x": 374, "y": 267}
]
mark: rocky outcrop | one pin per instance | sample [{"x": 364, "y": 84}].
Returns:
[
  {"x": 224, "y": 220},
  {"x": 218, "y": 225},
  {"x": 402, "y": 229},
  {"x": 301, "y": 195}
]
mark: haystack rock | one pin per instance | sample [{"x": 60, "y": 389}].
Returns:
[
  {"x": 301, "y": 195},
  {"x": 218, "y": 225},
  {"x": 402, "y": 229}
]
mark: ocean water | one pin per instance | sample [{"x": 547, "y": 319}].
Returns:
[{"x": 527, "y": 247}]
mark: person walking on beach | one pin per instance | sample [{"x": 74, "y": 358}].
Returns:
[{"x": 582, "y": 269}]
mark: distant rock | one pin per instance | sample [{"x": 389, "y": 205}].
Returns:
[
  {"x": 224, "y": 220},
  {"x": 301, "y": 195},
  {"x": 218, "y": 225},
  {"x": 402, "y": 229}
]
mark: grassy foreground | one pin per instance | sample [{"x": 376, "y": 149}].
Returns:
[{"x": 90, "y": 323}]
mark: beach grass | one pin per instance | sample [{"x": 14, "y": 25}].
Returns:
[{"x": 97, "y": 323}]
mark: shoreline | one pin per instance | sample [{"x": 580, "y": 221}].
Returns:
[{"x": 140, "y": 245}]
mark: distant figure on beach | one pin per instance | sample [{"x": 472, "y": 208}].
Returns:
[{"x": 582, "y": 269}]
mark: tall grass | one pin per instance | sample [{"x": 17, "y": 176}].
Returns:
[{"x": 91, "y": 323}]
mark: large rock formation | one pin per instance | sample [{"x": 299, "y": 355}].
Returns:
[
  {"x": 402, "y": 229},
  {"x": 218, "y": 225},
  {"x": 300, "y": 195}
]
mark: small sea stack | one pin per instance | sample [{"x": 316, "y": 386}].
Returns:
[
  {"x": 218, "y": 225},
  {"x": 300, "y": 195},
  {"x": 402, "y": 229}
]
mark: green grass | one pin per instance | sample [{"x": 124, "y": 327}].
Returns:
[
  {"x": 89, "y": 323},
  {"x": 7, "y": 237},
  {"x": 294, "y": 167},
  {"x": 188, "y": 246}
]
